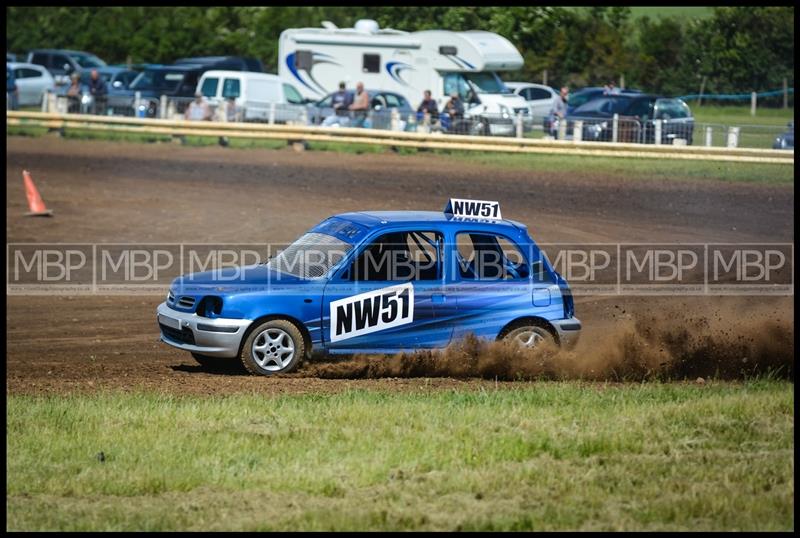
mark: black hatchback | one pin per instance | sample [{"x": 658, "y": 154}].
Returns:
[{"x": 636, "y": 115}]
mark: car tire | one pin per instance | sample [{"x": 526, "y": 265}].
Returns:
[
  {"x": 530, "y": 335},
  {"x": 273, "y": 347}
]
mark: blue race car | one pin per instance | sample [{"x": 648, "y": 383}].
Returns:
[{"x": 375, "y": 282}]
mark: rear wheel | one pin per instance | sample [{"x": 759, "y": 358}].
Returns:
[
  {"x": 274, "y": 347},
  {"x": 529, "y": 335}
]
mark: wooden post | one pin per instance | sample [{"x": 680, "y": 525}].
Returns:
[
  {"x": 519, "y": 124},
  {"x": 709, "y": 136},
  {"x": 733, "y": 137},
  {"x": 395, "y": 119},
  {"x": 577, "y": 131},
  {"x": 785, "y": 93},
  {"x": 562, "y": 129},
  {"x": 702, "y": 89},
  {"x": 753, "y": 99},
  {"x": 544, "y": 77},
  {"x": 162, "y": 107},
  {"x": 615, "y": 128},
  {"x": 657, "y": 132},
  {"x": 272, "y": 113}
]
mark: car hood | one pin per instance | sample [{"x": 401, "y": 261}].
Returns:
[{"x": 229, "y": 279}]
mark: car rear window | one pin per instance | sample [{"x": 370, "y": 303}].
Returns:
[{"x": 672, "y": 108}]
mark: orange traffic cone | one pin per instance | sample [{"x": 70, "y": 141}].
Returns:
[{"x": 35, "y": 202}]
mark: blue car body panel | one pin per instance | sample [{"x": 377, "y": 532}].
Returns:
[{"x": 440, "y": 311}]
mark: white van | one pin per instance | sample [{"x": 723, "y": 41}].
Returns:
[{"x": 255, "y": 94}]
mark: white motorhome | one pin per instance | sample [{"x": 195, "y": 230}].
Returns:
[
  {"x": 258, "y": 96},
  {"x": 317, "y": 59}
]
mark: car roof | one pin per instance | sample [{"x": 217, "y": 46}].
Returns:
[
  {"x": 376, "y": 219},
  {"x": 14, "y": 65},
  {"x": 64, "y": 51}
]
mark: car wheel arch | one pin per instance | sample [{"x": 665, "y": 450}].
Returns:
[{"x": 529, "y": 320}]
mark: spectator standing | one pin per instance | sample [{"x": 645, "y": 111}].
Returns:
[
  {"x": 360, "y": 105},
  {"x": 428, "y": 106},
  {"x": 74, "y": 94},
  {"x": 98, "y": 90},
  {"x": 341, "y": 102},
  {"x": 12, "y": 94},
  {"x": 198, "y": 110},
  {"x": 612, "y": 89},
  {"x": 559, "y": 110}
]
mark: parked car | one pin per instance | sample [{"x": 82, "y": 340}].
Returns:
[
  {"x": 254, "y": 94},
  {"x": 231, "y": 63},
  {"x": 584, "y": 95},
  {"x": 540, "y": 98},
  {"x": 32, "y": 81},
  {"x": 636, "y": 112},
  {"x": 785, "y": 140},
  {"x": 117, "y": 81},
  {"x": 178, "y": 81},
  {"x": 62, "y": 63},
  {"x": 381, "y": 105},
  {"x": 11, "y": 57},
  {"x": 375, "y": 282}
]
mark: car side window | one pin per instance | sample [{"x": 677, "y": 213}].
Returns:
[
  {"x": 209, "y": 88},
  {"x": 484, "y": 256},
  {"x": 231, "y": 88},
  {"x": 292, "y": 95},
  {"x": 398, "y": 257},
  {"x": 25, "y": 72},
  {"x": 40, "y": 58},
  {"x": 60, "y": 62},
  {"x": 391, "y": 100},
  {"x": 534, "y": 94}
]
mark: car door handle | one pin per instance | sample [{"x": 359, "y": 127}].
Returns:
[{"x": 437, "y": 298}]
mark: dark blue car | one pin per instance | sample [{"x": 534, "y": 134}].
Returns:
[{"x": 375, "y": 282}]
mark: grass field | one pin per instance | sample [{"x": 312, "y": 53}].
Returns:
[
  {"x": 634, "y": 168},
  {"x": 554, "y": 456}
]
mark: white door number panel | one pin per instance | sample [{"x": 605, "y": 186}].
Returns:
[
  {"x": 372, "y": 311},
  {"x": 482, "y": 209}
]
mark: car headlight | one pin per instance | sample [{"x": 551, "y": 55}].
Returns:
[{"x": 505, "y": 112}]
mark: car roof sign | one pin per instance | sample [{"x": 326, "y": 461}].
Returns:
[{"x": 473, "y": 209}]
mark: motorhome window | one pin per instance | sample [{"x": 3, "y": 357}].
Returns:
[
  {"x": 292, "y": 95},
  {"x": 231, "y": 88},
  {"x": 303, "y": 59},
  {"x": 209, "y": 88},
  {"x": 448, "y": 50},
  {"x": 372, "y": 63}
]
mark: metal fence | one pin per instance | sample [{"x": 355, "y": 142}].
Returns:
[{"x": 619, "y": 129}]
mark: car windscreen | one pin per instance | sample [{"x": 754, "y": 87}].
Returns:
[
  {"x": 579, "y": 98},
  {"x": 152, "y": 79},
  {"x": 87, "y": 60},
  {"x": 310, "y": 256}
]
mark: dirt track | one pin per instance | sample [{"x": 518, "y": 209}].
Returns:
[{"x": 113, "y": 192}]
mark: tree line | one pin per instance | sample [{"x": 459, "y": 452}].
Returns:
[{"x": 734, "y": 50}]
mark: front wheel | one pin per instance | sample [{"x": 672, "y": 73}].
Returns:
[{"x": 274, "y": 347}]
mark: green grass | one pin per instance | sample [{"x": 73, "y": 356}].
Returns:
[
  {"x": 740, "y": 115},
  {"x": 553, "y": 456}
]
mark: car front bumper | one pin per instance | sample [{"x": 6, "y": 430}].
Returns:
[
  {"x": 219, "y": 337},
  {"x": 569, "y": 331}
]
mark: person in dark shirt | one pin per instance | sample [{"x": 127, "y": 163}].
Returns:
[
  {"x": 428, "y": 106},
  {"x": 341, "y": 100},
  {"x": 98, "y": 90}
]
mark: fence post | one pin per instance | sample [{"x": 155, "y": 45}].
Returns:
[
  {"x": 785, "y": 93},
  {"x": 622, "y": 82},
  {"x": 562, "y": 128},
  {"x": 162, "y": 107},
  {"x": 733, "y": 137},
  {"x": 304, "y": 116},
  {"x": 170, "y": 108},
  {"x": 709, "y": 136},
  {"x": 395, "y": 119},
  {"x": 753, "y": 98},
  {"x": 657, "y": 124},
  {"x": 46, "y": 100},
  {"x": 577, "y": 131},
  {"x": 137, "y": 101},
  {"x": 544, "y": 77},
  {"x": 615, "y": 128},
  {"x": 272, "y": 113},
  {"x": 519, "y": 124}
]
